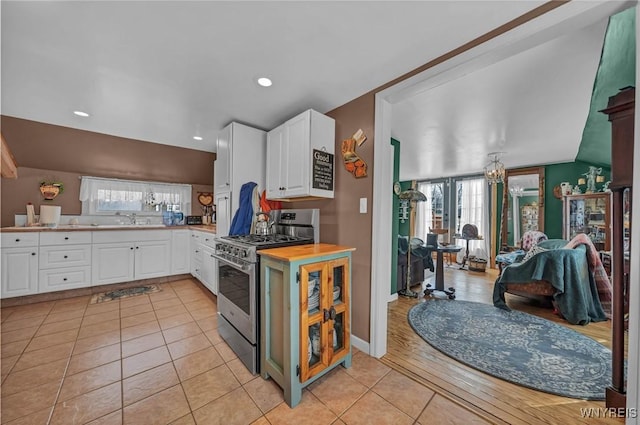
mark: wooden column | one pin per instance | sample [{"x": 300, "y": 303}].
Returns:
[{"x": 621, "y": 110}]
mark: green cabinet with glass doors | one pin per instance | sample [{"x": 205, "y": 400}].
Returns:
[{"x": 305, "y": 300}]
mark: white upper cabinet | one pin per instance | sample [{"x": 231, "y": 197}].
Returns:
[
  {"x": 222, "y": 164},
  {"x": 240, "y": 158},
  {"x": 301, "y": 157}
]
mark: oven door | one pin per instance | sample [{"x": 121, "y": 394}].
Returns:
[{"x": 237, "y": 297}]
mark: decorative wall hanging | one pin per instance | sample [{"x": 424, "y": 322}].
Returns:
[
  {"x": 205, "y": 198},
  {"x": 352, "y": 162},
  {"x": 51, "y": 189}
]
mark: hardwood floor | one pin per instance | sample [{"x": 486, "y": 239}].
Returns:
[{"x": 496, "y": 400}]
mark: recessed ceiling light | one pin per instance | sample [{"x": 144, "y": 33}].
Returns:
[
  {"x": 264, "y": 81},
  {"x": 197, "y": 138},
  {"x": 81, "y": 114}
]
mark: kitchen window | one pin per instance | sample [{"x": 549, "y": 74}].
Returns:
[{"x": 101, "y": 196}]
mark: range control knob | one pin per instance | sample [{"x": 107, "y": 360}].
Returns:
[{"x": 243, "y": 253}]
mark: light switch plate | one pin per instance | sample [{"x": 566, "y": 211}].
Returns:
[{"x": 363, "y": 205}]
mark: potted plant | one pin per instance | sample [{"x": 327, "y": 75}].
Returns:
[{"x": 50, "y": 189}]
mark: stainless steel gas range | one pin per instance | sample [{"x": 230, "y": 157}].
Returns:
[{"x": 239, "y": 278}]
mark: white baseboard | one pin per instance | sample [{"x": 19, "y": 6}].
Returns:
[
  {"x": 392, "y": 297},
  {"x": 360, "y": 344}
]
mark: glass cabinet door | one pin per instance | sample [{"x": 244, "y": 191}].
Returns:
[
  {"x": 591, "y": 215},
  {"x": 339, "y": 308},
  {"x": 324, "y": 315},
  {"x": 313, "y": 358}
]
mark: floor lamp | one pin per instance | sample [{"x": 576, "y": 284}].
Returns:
[{"x": 411, "y": 196}]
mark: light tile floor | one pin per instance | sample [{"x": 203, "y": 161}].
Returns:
[{"x": 158, "y": 359}]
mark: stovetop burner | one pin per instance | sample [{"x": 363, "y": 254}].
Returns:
[
  {"x": 262, "y": 240},
  {"x": 243, "y": 249}
]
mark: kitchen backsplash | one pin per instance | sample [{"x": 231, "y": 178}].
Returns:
[{"x": 21, "y": 219}]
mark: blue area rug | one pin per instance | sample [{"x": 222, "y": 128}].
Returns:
[{"x": 516, "y": 346}]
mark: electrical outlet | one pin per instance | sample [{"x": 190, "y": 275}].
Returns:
[{"x": 363, "y": 205}]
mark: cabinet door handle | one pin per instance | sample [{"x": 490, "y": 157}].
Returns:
[
  {"x": 329, "y": 314},
  {"x": 137, "y": 247},
  {"x": 332, "y": 313},
  {"x": 64, "y": 278},
  {"x": 131, "y": 248},
  {"x": 33, "y": 253},
  {"x": 66, "y": 256},
  {"x": 66, "y": 238},
  {"x": 17, "y": 240}
]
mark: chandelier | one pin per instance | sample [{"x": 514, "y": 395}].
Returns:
[
  {"x": 494, "y": 171},
  {"x": 516, "y": 191}
]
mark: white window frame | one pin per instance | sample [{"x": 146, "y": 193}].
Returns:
[{"x": 91, "y": 186}]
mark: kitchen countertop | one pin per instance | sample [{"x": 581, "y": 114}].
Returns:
[
  {"x": 301, "y": 252},
  {"x": 88, "y": 227}
]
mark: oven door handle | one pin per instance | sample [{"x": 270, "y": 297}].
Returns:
[{"x": 243, "y": 267}]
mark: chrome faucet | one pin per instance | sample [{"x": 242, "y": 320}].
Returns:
[{"x": 132, "y": 217}]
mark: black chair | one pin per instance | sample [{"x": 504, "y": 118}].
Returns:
[{"x": 420, "y": 260}]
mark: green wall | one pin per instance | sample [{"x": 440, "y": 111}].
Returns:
[{"x": 617, "y": 70}]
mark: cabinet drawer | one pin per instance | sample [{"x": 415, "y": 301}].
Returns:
[
  {"x": 65, "y": 238},
  {"x": 118, "y": 236},
  {"x": 208, "y": 239},
  {"x": 18, "y": 239},
  {"x": 66, "y": 256},
  {"x": 64, "y": 278}
]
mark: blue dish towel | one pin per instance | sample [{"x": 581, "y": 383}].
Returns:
[{"x": 241, "y": 223}]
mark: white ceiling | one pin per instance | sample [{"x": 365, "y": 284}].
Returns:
[
  {"x": 166, "y": 71},
  {"x": 532, "y": 106}
]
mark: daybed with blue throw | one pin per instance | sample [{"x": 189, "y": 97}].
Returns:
[{"x": 573, "y": 273}]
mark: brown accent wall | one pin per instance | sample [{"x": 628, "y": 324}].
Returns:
[
  {"x": 50, "y": 151},
  {"x": 340, "y": 220}
]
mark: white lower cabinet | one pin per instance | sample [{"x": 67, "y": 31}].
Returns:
[
  {"x": 136, "y": 255},
  {"x": 152, "y": 259},
  {"x": 53, "y": 261},
  {"x": 111, "y": 263},
  {"x": 209, "y": 274},
  {"x": 64, "y": 278},
  {"x": 204, "y": 266},
  {"x": 64, "y": 267},
  {"x": 180, "y": 251},
  {"x": 19, "y": 271}
]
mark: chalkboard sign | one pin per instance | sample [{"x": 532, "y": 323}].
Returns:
[{"x": 322, "y": 170}]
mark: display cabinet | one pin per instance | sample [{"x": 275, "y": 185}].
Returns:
[
  {"x": 305, "y": 314},
  {"x": 529, "y": 218},
  {"x": 589, "y": 214}
]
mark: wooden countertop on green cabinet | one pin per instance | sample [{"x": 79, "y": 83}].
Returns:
[
  {"x": 305, "y": 300},
  {"x": 302, "y": 252}
]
